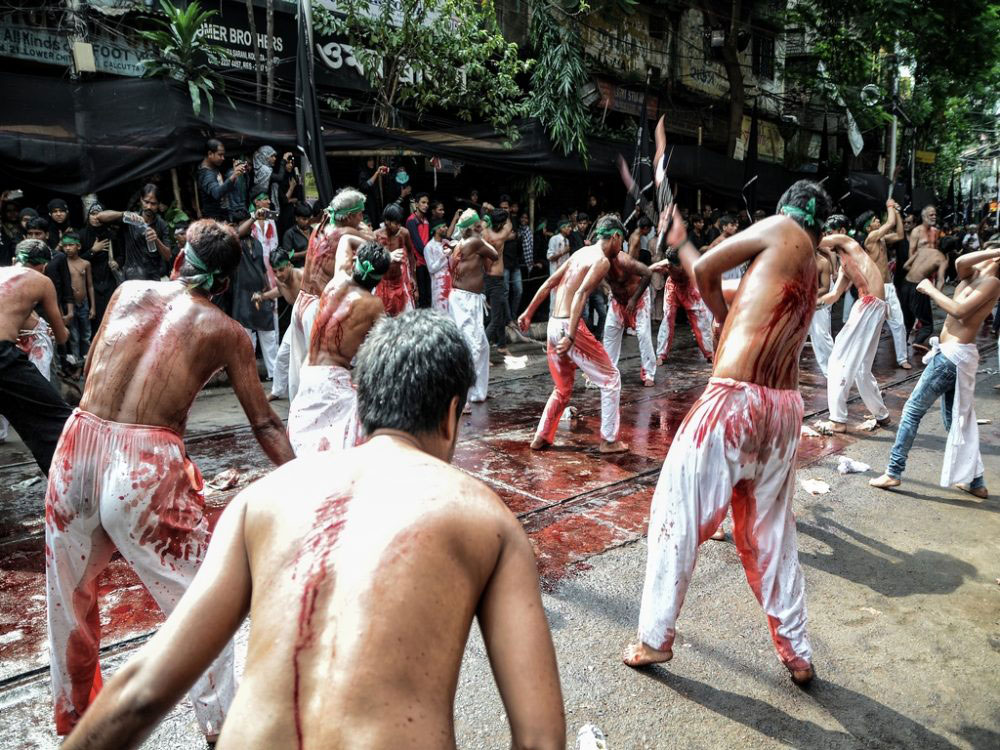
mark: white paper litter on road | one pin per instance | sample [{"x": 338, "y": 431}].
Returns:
[
  {"x": 847, "y": 465},
  {"x": 815, "y": 486}
]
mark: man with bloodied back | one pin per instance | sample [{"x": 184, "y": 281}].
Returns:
[
  {"x": 362, "y": 591},
  {"x": 121, "y": 478},
  {"x": 736, "y": 446}
]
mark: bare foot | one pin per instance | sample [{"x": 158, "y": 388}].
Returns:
[
  {"x": 648, "y": 383},
  {"x": 802, "y": 677},
  {"x": 884, "y": 482},
  {"x": 539, "y": 444},
  {"x": 616, "y": 447},
  {"x": 719, "y": 535},
  {"x": 638, "y": 654},
  {"x": 906, "y": 365},
  {"x": 981, "y": 492},
  {"x": 829, "y": 427},
  {"x": 467, "y": 409},
  {"x": 273, "y": 397}
]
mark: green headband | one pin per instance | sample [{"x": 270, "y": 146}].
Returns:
[
  {"x": 284, "y": 260},
  {"x": 541, "y": 226},
  {"x": 468, "y": 222},
  {"x": 609, "y": 232},
  {"x": 437, "y": 224},
  {"x": 68, "y": 240},
  {"x": 26, "y": 258},
  {"x": 869, "y": 223},
  {"x": 365, "y": 269},
  {"x": 261, "y": 195},
  {"x": 205, "y": 278},
  {"x": 808, "y": 216},
  {"x": 345, "y": 212},
  {"x": 564, "y": 223},
  {"x": 488, "y": 221}
]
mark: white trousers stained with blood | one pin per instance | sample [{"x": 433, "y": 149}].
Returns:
[
  {"x": 735, "y": 448},
  {"x": 467, "y": 310},
  {"x": 587, "y": 354},
  {"x": 132, "y": 489},
  {"x": 303, "y": 314},
  {"x": 324, "y": 414},
  {"x": 852, "y": 357},
  {"x": 894, "y": 317},
  {"x": 821, "y": 337},
  {"x": 619, "y": 320},
  {"x": 686, "y": 296}
]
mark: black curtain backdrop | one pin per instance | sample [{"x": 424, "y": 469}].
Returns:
[{"x": 80, "y": 137}]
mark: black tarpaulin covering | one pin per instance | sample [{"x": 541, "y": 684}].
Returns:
[{"x": 79, "y": 137}]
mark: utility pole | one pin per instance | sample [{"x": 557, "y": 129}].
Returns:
[{"x": 894, "y": 127}]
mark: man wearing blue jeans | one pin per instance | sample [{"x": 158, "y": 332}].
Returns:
[{"x": 951, "y": 375}]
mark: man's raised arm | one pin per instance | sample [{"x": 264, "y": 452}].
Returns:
[
  {"x": 729, "y": 253},
  {"x": 266, "y": 425},
  {"x": 206, "y": 618},
  {"x": 972, "y": 302},
  {"x": 965, "y": 264}
]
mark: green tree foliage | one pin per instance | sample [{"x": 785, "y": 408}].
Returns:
[
  {"x": 182, "y": 54},
  {"x": 451, "y": 52},
  {"x": 951, "y": 47}
]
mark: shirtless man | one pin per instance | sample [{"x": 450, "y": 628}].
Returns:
[
  {"x": 951, "y": 375},
  {"x": 876, "y": 239},
  {"x": 27, "y": 399},
  {"x": 323, "y": 415},
  {"x": 84, "y": 305},
  {"x": 631, "y": 305},
  {"x": 679, "y": 292},
  {"x": 570, "y": 342},
  {"x": 361, "y": 593},
  {"x": 467, "y": 304},
  {"x": 925, "y": 260},
  {"x": 397, "y": 289},
  {"x": 497, "y": 230},
  {"x": 121, "y": 477},
  {"x": 737, "y": 445},
  {"x": 344, "y": 216},
  {"x": 857, "y": 343},
  {"x": 288, "y": 283},
  {"x": 820, "y": 330}
]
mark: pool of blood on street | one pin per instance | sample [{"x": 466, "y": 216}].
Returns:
[{"x": 573, "y": 501}]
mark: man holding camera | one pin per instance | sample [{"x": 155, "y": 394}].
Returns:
[{"x": 212, "y": 188}]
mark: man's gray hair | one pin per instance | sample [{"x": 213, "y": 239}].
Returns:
[
  {"x": 925, "y": 209},
  {"x": 347, "y": 198}
]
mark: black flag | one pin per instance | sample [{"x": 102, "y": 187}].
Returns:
[
  {"x": 750, "y": 167},
  {"x": 308, "y": 128},
  {"x": 642, "y": 162}
]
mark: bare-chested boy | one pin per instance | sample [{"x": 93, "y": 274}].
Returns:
[
  {"x": 84, "y": 306},
  {"x": 737, "y": 445},
  {"x": 397, "y": 289},
  {"x": 288, "y": 283},
  {"x": 951, "y": 375},
  {"x": 570, "y": 342},
  {"x": 324, "y": 414},
  {"x": 121, "y": 478},
  {"x": 467, "y": 304},
  {"x": 631, "y": 307},
  {"x": 343, "y": 217},
  {"x": 857, "y": 343},
  {"x": 925, "y": 260},
  {"x": 27, "y": 399},
  {"x": 360, "y": 593},
  {"x": 820, "y": 329},
  {"x": 877, "y": 236}
]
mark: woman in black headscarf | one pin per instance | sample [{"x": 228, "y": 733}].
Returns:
[
  {"x": 96, "y": 245},
  {"x": 290, "y": 192}
]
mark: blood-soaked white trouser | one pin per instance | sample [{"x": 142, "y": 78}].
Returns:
[
  {"x": 129, "y": 488},
  {"x": 851, "y": 360},
  {"x": 467, "y": 310},
  {"x": 736, "y": 447},
  {"x": 324, "y": 414},
  {"x": 587, "y": 354},
  {"x": 614, "y": 329},
  {"x": 894, "y": 317},
  {"x": 821, "y": 337},
  {"x": 280, "y": 385},
  {"x": 687, "y": 296},
  {"x": 303, "y": 314}
]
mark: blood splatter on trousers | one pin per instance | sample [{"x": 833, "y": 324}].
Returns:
[
  {"x": 676, "y": 296},
  {"x": 303, "y": 314},
  {"x": 129, "y": 488},
  {"x": 324, "y": 414},
  {"x": 821, "y": 337},
  {"x": 587, "y": 354},
  {"x": 614, "y": 329},
  {"x": 736, "y": 447}
]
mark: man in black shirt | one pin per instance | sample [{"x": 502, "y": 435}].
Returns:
[
  {"x": 96, "y": 246},
  {"x": 58, "y": 221},
  {"x": 57, "y": 268},
  {"x": 212, "y": 188},
  {"x": 255, "y": 315},
  {"x": 296, "y": 239},
  {"x": 578, "y": 237},
  {"x": 146, "y": 249}
]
